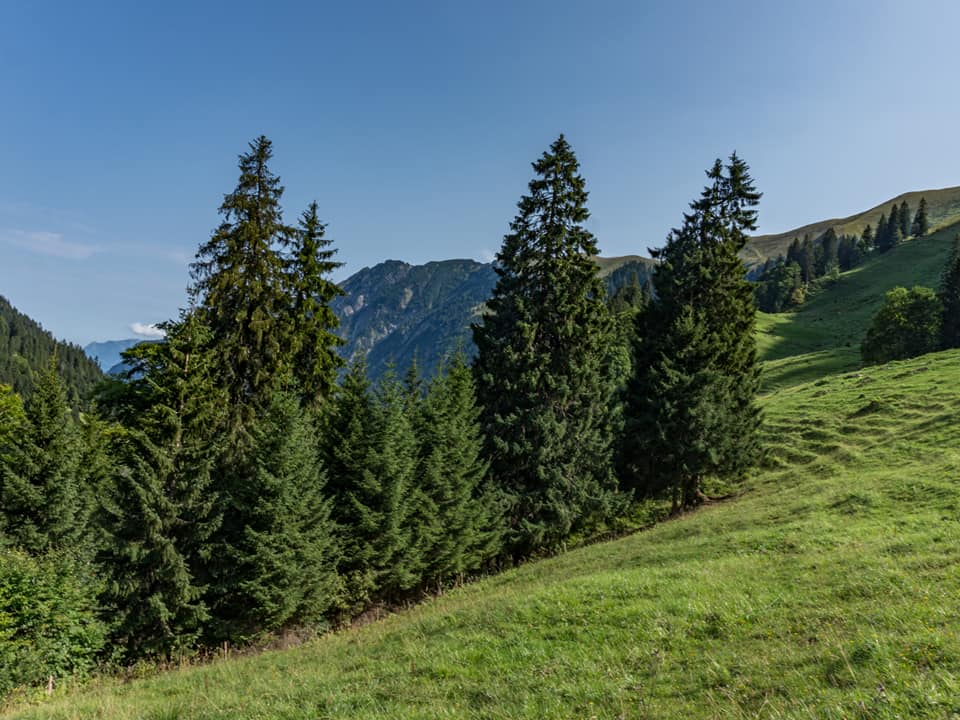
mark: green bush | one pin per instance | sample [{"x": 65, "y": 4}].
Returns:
[
  {"x": 48, "y": 621},
  {"x": 907, "y": 325}
]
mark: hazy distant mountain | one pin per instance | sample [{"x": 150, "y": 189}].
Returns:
[{"x": 107, "y": 353}]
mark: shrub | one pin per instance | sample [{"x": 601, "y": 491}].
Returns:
[
  {"x": 907, "y": 325},
  {"x": 48, "y": 620}
]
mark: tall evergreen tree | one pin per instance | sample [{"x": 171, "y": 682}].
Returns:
[
  {"x": 542, "y": 376},
  {"x": 950, "y": 298},
  {"x": 316, "y": 360},
  {"x": 880, "y": 239},
  {"x": 921, "y": 223},
  {"x": 867, "y": 239},
  {"x": 904, "y": 219},
  {"x": 240, "y": 289},
  {"x": 691, "y": 409},
  {"x": 826, "y": 256}
]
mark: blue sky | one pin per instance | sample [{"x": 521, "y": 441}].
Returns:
[{"x": 414, "y": 124}]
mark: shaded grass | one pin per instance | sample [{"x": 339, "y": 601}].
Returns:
[{"x": 830, "y": 588}]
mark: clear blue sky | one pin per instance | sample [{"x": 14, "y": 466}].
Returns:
[{"x": 413, "y": 125}]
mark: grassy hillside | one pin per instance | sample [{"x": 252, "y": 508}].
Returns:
[
  {"x": 829, "y": 588},
  {"x": 823, "y": 335},
  {"x": 943, "y": 208}
]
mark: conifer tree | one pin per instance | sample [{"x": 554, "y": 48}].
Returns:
[
  {"x": 542, "y": 376},
  {"x": 691, "y": 409},
  {"x": 316, "y": 361},
  {"x": 279, "y": 566},
  {"x": 903, "y": 218},
  {"x": 371, "y": 457},
  {"x": 868, "y": 239},
  {"x": 880, "y": 240},
  {"x": 826, "y": 256},
  {"x": 240, "y": 288},
  {"x": 950, "y": 298},
  {"x": 465, "y": 525},
  {"x": 921, "y": 223},
  {"x": 159, "y": 511},
  {"x": 43, "y": 503}
]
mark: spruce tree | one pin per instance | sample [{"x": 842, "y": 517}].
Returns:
[
  {"x": 880, "y": 240},
  {"x": 371, "y": 455},
  {"x": 950, "y": 298},
  {"x": 826, "y": 256},
  {"x": 903, "y": 218},
  {"x": 542, "y": 378},
  {"x": 159, "y": 511},
  {"x": 921, "y": 223},
  {"x": 316, "y": 360},
  {"x": 691, "y": 410},
  {"x": 240, "y": 288},
  {"x": 465, "y": 524},
  {"x": 279, "y": 567},
  {"x": 867, "y": 239},
  {"x": 43, "y": 502}
]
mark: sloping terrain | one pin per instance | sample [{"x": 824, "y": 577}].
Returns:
[
  {"x": 823, "y": 335},
  {"x": 395, "y": 311},
  {"x": 26, "y": 348},
  {"x": 943, "y": 208},
  {"x": 829, "y": 588}
]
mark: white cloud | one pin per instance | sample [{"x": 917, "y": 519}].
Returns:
[
  {"x": 487, "y": 255},
  {"x": 49, "y": 243},
  {"x": 145, "y": 330}
]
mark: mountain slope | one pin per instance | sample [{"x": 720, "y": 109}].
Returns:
[
  {"x": 823, "y": 335},
  {"x": 828, "y": 588},
  {"x": 394, "y": 311},
  {"x": 25, "y": 348},
  {"x": 943, "y": 208}
]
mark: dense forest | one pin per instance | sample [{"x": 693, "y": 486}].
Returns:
[
  {"x": 241, "y": 479},
  {"x": 26, "y": 349}
]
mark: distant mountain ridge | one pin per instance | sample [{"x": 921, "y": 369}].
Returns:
[
  {"x": 394, "y": 312},
  {"x": 107, "y": 352},
  {"x": 943, "y": 208}
]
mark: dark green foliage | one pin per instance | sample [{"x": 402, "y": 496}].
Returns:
[
  {"x": 464, "y": 523},
  {"x": 690, "y": 406},
  {"x": 316, "y": 360},
  {"x": 49, "y": 619},
  {"x": 868, "y": 239},
  {"x": 779, "y": 287},
  {"x": 159, "y": 511},
  {"x": 44, "y": 503},
  {"x": 904, "y": 220},
  {"x": 850, "y": 252},
  {"x": 25, "y": 352},
  {"x": 921, "y": 223},
  {"x": 372, "y": 457},
  {"x": 907, "y": 325},
  {"x": 240, "y": 289},
  {"x": 825, "y": 255},
  {"x": 543, "y": 378},
  {"x": 890, "y": 230},
  {"x": 274, "y": 560},
  {"x": 950, "y": 298}
]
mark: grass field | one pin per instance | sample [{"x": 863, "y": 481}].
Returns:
[
  {"x": 823, "y": 336},
  {"x": 829, "y": 588}
]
